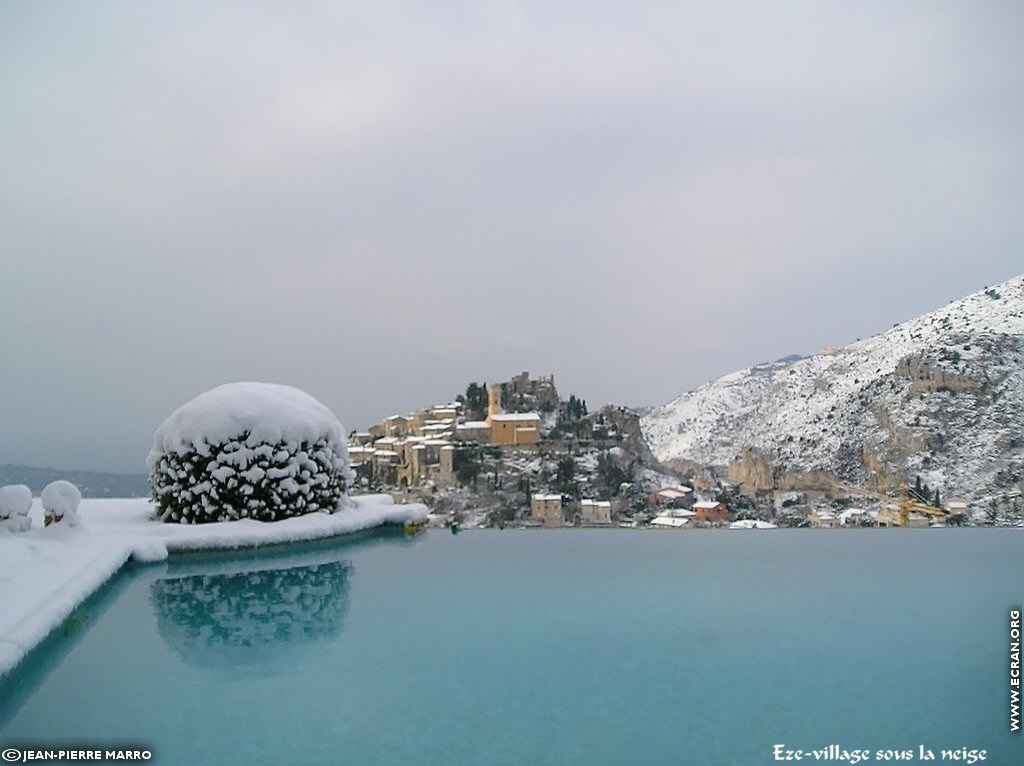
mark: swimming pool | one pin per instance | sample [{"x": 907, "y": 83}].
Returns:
[{"x": 563, "y": 646}]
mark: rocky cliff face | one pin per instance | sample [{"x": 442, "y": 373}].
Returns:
[
  {"x": 627, "y": 423},
  {"x": 940, "y": 396}
]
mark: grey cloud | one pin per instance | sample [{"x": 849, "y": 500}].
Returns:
[{"x": 381, "y": 203}]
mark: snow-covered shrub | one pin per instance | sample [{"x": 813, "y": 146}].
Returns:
[
  {"x": 60, "y": 501},
  {"x": 15, "y": 502},
  {"x": 248, "y": 450}
]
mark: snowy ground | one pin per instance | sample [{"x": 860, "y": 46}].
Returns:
[{"x": 46, "y": 572}]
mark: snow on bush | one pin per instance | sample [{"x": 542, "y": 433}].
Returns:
[
  {"x": 60, "y": 501},
  {"x": 15, "y": 502},
  {"x": 248, "y": 450}
]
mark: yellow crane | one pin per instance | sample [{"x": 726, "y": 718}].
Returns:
[{"x": 898, "y": 516}]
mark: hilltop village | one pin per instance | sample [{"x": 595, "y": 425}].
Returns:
[{"x": 517, "y": 454}]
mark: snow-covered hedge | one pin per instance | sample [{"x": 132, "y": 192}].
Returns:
[{"x": 248, "y": 450}]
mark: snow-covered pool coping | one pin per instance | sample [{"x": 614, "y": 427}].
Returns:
[{"x": 47, "y": 572}]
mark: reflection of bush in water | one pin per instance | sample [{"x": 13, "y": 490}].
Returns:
[{"x": 229, "y": 618}]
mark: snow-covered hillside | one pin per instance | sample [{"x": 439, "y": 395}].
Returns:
[{"x": 940, "y": 396}]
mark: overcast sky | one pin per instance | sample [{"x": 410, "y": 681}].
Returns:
[{"x": 380, "y": 202}]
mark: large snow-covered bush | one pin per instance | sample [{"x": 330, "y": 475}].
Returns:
[{"x": 248, "y": 450}]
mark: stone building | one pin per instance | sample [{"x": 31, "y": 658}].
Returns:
[
  {"x": 547, "y": 509},
  {"x": 510, "y": 427},
  {"x": 595, "y": 512},
  {"x": 711, "y": 511},
  {"x": 672, "y": 497}
]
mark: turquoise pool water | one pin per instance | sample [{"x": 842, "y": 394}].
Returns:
[{"x": 541, "y": 647}]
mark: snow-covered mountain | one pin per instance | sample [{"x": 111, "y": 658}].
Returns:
[{"x": 940, "y": 396}]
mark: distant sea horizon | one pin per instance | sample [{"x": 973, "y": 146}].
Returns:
[{"x": 97, "y": 484}]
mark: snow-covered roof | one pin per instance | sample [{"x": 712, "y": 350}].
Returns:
[
  {"x": 669, "y": 521},
  {"x": 268, "y": 412},
  {"x": 672, "y": 493},
  {"x": 541, "y": 498},
  {"x": 509, "y": 417},
  {"x": 706, "y": 504},
  {"x": 473, "y": 424}
]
